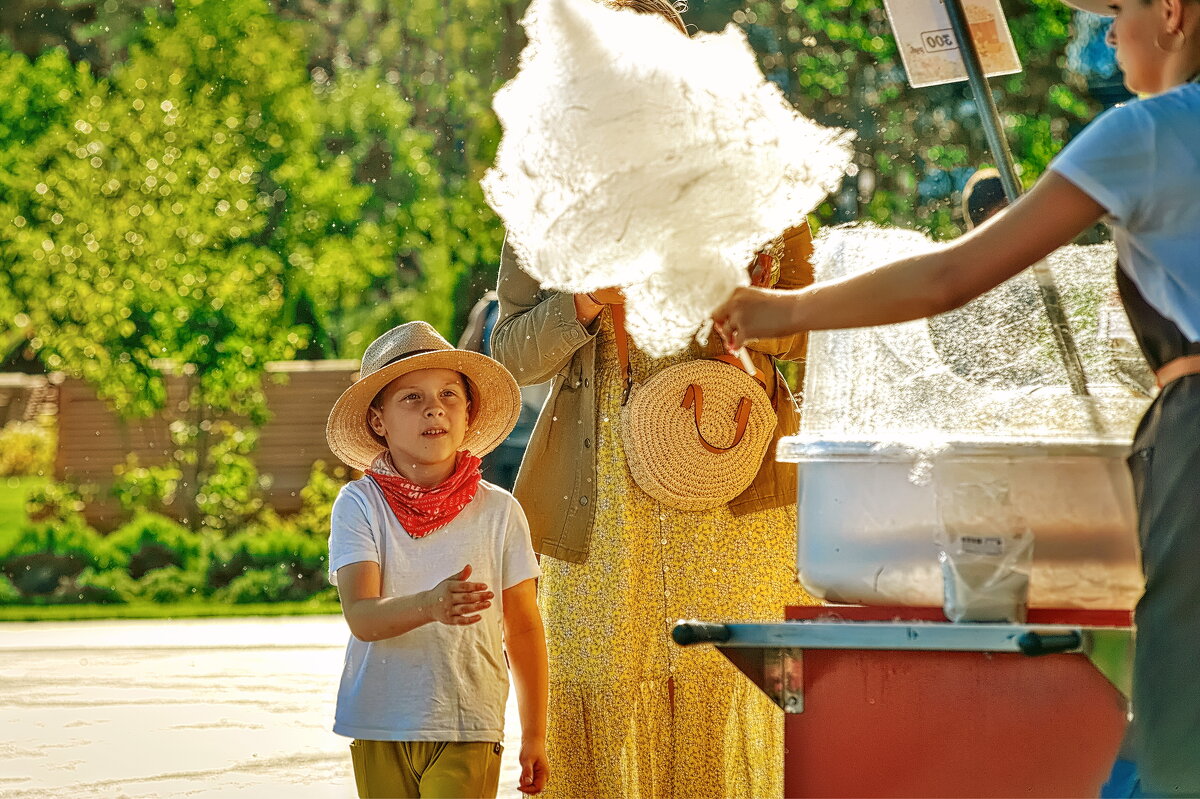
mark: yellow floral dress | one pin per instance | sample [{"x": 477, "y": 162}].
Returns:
[{"x": 631, "y": 714}]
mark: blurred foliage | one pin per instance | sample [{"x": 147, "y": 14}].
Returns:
[
  {"x": 445, "y": 60},
  {"x": 61, "y": 503},
  {"x": 275, "y": 584},
  {"x": 9, "y": 594},
  {"x": 838, "y": 62},
  {"x": 302, "y": 557},
  {"x": 149, "y": 542},
  {"x": 185, "y": 214},
  {"x": 101, "y": 587},
  {"x": 170, "y": 584},
  {"x": 48, "y": 552},
  {"x": 27, "y": 448},
  {"x": 145, "y": 488},
  {"x": 316, "y": 501},
  {"x": 58, "y": 558}
]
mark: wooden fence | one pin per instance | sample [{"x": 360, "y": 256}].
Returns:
[{"x": 92, "y": 439}]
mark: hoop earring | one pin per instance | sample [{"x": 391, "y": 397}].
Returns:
[{"x": 1178, "y": 41}]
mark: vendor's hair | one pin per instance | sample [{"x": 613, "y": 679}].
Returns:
[
  {"x": 663, "y": 8},
  {"x": 983, "y": 196}
]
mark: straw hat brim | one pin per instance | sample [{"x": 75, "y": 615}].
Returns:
[
  {"x": 1091, "y": 6},
  {"x": 495, "y": 405}
]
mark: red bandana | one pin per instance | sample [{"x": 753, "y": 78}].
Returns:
[{"x": 422, "y": 510}]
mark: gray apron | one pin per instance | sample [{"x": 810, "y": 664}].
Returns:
[{"x": 1165, "y": 464}]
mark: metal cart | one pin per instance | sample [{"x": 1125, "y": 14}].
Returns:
[{"x": 898, "y": 702}]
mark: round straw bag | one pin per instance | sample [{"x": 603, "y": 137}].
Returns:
[{"x": 694, "y": 434}]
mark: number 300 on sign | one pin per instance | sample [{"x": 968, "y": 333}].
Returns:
[{"x": 939, "y": 40}]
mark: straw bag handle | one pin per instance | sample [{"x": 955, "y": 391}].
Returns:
[
  {"x": 618, "y": 318},
  {"x": 694, "y": 398}
]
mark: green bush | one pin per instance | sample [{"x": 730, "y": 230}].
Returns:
[
  {"x": 9, "y": 595},
  {"x": 170, "y": 584},
  {"x": 45, "y": 553},
  {"x": 300, "y": 556},
  {"x": 95, "y": 587},
  {"x": 27, "y": 449},
  {"x": 262, "y": 585},
  {"x": 150, "y": 541}
]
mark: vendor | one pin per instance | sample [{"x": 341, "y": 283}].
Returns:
[{"x": 1138, "y": 167}]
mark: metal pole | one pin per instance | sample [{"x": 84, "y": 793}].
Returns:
[{"x": 992, "y": 127}]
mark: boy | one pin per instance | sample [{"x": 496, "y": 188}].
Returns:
[{"x": 417, "y": 546}]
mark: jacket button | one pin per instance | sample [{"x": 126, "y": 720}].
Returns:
[
  {"x": 587, "y": 442},
  {"x": 583, "y": 500},
  {"x": 586, "y": 382}
]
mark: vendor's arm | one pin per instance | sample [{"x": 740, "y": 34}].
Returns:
[
  {"x": 525, "y": 642},
  {"x": 1053, "y": 213},
  {"x": 372, "y": 617},
  {"x": 537, "y": 333}
]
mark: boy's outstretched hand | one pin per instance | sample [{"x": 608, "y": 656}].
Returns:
[
  {"x": 456, "y": 601},
  {"x": 535, "y": 767},
  {"x": 753, "y": 313}
]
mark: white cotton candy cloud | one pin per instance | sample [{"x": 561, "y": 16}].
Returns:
[{"x": 634, "y": 156}]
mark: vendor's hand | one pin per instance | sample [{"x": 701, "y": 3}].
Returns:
[
  {"x": 457, "y": 602},
  {"x": 535, "y": 767},
  {"x": 752, "y": 313}
]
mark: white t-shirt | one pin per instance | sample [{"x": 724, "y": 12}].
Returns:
[
  {"x": 1141, "y": 161},
  {"x": 437, "y": 682}
]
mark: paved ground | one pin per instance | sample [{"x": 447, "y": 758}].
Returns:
[{"x": 197, "y": 708}]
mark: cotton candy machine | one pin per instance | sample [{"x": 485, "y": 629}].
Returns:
[
  {"x": 946, "y": 471},
  {"x": 958, "y": 435},
  {"x": 873, "y": 518}
]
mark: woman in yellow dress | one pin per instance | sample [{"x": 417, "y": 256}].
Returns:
[{"x": 631, "y": 714}]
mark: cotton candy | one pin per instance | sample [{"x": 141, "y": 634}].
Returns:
[{"x": 633, "y": 156}]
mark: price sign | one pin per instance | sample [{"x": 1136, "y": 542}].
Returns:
[{"x": 929, "y": 47}]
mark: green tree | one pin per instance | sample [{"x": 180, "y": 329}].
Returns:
[
  {"x": 446, "y": 59},
  {"x": 37, "y": 97},
  {"x": 188, "y": 212},
  {"x": 838, "y": 62}
]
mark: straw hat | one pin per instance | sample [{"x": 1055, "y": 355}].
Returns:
[
  {"x": 663, "y": 437},
  {"x": 495, "y": 397},
  {"x": 1091, "y": 6}
]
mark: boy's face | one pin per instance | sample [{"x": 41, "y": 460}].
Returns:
[{"x": 423, "y": 416}]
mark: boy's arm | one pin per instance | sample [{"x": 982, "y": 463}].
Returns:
[
  {"x": 525, "y": 642},
  {"x": 372, "y": 617}
]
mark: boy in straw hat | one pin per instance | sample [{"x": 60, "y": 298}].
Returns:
[{"x": 416, "y": 549}]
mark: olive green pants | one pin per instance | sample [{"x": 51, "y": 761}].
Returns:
[{"x": 426, "y": 769}]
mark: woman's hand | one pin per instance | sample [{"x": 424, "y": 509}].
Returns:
[
  {"x": 753, "y": 313},
  {"x": 588, "y": 306},
  {"x": 609, "y": 296}
]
